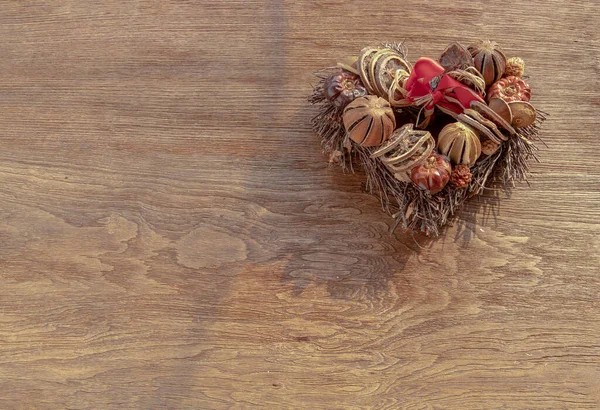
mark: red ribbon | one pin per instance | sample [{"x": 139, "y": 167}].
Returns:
[{"x": 419, "y": 84}]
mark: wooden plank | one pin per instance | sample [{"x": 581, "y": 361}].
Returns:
[{"x": 172, "y": 236}]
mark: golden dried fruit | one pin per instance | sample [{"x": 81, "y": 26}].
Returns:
[
  {"x": 405, "y": 149},
  {"x": 369, "y": 120},
  {"x": 460, "y": 143},
  {"x": 387, "y": 68},
  {"x": 515, "y": 66},
  {"x": 364, "y": 62},
  {"x": 500, "y": 107},
  {"x": 523, "y": 113},
  {"x": 489, "y": 59}
]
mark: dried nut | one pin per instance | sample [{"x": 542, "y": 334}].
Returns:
[
  {"x": 460, "y": 143},
  {"x": 515, "y": 66},
  {"x": 500, "y": 107},
  {"x": 523, "y": 113},
  {"x": 369, "y": 120},
  {"x": 461, "y": 176},
  {"x": 433, "y": 175},
  {"x": 489, "y": 59},
  {"x": 510, "y": 89},
  {"x": 488, "y": 147},
  {"x": 342, "y": 88}
]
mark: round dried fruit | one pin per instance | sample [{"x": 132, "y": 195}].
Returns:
[
  {"x": 510, "y": 89},
  {"x": 433, "y": 175},
  {"x": 343, "y": 88},
  {"x": 515, "y": 66},
  {"x": 460, "y": 143},
  {"x": 489, "y": 59},
  {"x": 369, "y": 120}
]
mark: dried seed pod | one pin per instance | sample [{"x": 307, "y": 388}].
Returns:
[
  {"x": 456, "y": 56},
  {"x": 489, "y": 59},
  {"x": 433, "y": 174},
  {"x": 405, "y": 149},
  {"x": 523, "y": 113},
  {"x": 342, "y": 88},
  {"x": 460, "y": 143},
  {"x": 477, "y": 127},
  {"x": 515, "y": 66},
  {"x": 490, "y": 114},
  {"x": 461, "y": 176},
  {"x": 369, "y": 120},
  {"x": 500, "y": 107},
  {"x": 488, "y": 147},
  {"x": 510, "y": 89}
]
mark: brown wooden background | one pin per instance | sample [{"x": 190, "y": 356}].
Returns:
[{"x": 172, "y": 237}]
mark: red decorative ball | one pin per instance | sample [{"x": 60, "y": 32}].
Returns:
[{"x": 433, "y": 175}]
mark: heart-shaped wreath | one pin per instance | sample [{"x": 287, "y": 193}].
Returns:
[{"x": 429, "y": 135}]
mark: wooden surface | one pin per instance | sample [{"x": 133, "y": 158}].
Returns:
[{"x": 171, "y": 235}]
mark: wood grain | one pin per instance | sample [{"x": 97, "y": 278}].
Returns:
[{"x": 172, "y": 237}]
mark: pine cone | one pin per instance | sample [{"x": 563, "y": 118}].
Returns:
[{"x": 461, "y": 176}]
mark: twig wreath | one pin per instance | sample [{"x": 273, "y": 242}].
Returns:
[{"x": 431, "y": 135}]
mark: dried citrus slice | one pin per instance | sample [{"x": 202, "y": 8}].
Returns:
[{"x": 386, "y": 70}]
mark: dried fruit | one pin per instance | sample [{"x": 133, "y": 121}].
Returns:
[
  {"x": 379, "y": 67},
  {"x": 489, "y": 59},
  {"x": 515, "y": 66},
  {"x": 488, "y": 147},
  {"x": 369, "y": 120},
  {"x": 460, "y": 143},
  {"x": 405, "y": 149},
  {"x": 461, "y": 176},
  {"x": 387, "y": 68},
  {"x": 456, "y": 56},
  {"x": 523, "y": 113},
  {"x": 343, "y": 88},
  {"x": 433, "y": 175},
  {"x": 510, "y": 89},
  {"x": 500, "y": 107}
]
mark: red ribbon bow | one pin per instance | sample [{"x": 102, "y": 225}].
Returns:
[{"x": 448, "y": 93}]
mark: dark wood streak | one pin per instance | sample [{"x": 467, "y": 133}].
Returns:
[{"x": 172, "y": 237}]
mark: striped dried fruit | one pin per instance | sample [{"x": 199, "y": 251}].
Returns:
[
  {"x": 369, "y": 120},
  {"x": 460, "y": 142},
  {"x": 489, "y": 59}
]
